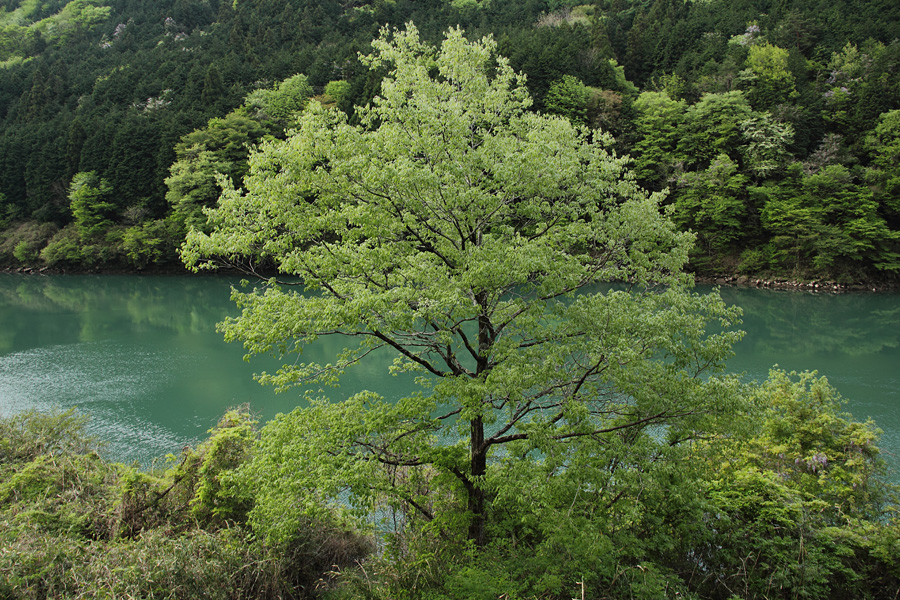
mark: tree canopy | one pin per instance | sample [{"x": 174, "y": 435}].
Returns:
[{"x": 471, "y": 238}]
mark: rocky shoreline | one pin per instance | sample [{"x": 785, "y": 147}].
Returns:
[
  {"x": 156, "y": 270},
  {"x": 794, "y": 284},
  {"x": 778, "y": 283}
]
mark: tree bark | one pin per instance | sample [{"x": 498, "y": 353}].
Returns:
[
  {"x": 477, "y": 470},
  {"x": 478, "y": 449}
]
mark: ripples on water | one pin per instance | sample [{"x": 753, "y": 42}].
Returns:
[{"x": 108, "y": 381}]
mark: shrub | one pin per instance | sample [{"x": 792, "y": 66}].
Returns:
[
  {"x": 24, "y": 242},
  {"x": 27, "y": 435},
  {"x": 73, "y": 525},
  {"x": 64, "y": 248},
  {"x": 152, "y": 242}
]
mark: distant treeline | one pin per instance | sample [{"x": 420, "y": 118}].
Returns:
[{"x": 775, "y": 126}]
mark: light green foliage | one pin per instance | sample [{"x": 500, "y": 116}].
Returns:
[
  {"x": 766, "y": 142},
  {"x": 676, "y": 145},
  {"x": 281, "y": 103},
  {"x": 65, "y": 247},
  {"x": 69, "y": 248},
  {"x": 847, "y": 72},
  {"x": 338, "y": 93},
  {"x": 568, "y": 97},
  {"x": 195, "y": 488},
  {"x": 819, "y": 450},
  {"x": 768, "y": 76},
  {"x": 583, "y": 105},
  {"x": 658, "y": 124},
  {"x": 884, "y": 145},
  {"x": 27, "y": 435},
  {"x": 794, "y": 506},
  {"x": 221, "y": 148},
  {"x": 140, "y": 505},
  {"x": 75, "y": 526},
  {"x": 827, "y": 222},
  {"x": 24, "y": 23},
  {"x": 469, "y": 5},
  {"x": 884, "y": 141},
  {"x": 671, "y": 84},
  {"x": 24, "y": 242},
  {"x": 712, "y": 126},
  {"x": 76, "y": 16},
  {"x": 466, "y": 235},
  {"x": 622, "y": 83},
  {"x": 149, "y": 243},
  {"x": 229, "y": 446},
  {"x": 853, "y": 229},
  {"x": 192, "y": 185},
  {"x": 849, "y": 65},
  {"x": 48, "y": 469}
]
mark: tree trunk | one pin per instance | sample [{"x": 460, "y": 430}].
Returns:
[
  {"x": 477, "y": 470},
  {"x": 478, "y": 449}
]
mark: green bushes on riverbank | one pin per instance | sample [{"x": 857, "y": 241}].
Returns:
[
  {"x": 73, "y": 525},
  {"x": 795, "y": 505}
]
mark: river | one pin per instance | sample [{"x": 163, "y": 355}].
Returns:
[{"x": 141, "y": 356}]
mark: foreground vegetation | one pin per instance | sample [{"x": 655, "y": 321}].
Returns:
[
  {"x": 74, "y": 525},
  {"x": 791, "y": 503}
]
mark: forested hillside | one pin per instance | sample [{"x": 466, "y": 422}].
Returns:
[{"x": 774, "y": 125}]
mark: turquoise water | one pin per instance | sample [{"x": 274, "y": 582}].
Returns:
[
  {"x": 140, "y": 354},
  {"x": 851, "y": 338}
]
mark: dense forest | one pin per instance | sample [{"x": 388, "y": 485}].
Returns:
[{"x": 774, "y": 126}]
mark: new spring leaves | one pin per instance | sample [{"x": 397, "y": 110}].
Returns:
[{"x": 469, "y": 235}]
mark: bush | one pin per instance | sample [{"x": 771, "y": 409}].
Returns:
[
  {"x": 74, "y": 525},
  {"x": 28, "y": 435},
  {"x": 68, "y": 248},
  {"x": 153, "y": 242},
  {"x": 64, "y": 248},
  {"x": 799, "y": 508},
  {"x": 23, "y": 243},
  {"x": 202, "y": 475}
]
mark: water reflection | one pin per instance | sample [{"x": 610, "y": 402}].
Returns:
[
  {"x": 139, "y": 354},
  {"x": 790, "y": 322},
  {"x": 90, "y": 308},
  {"x": 142, "y": 357}
]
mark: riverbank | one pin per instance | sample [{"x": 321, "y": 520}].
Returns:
[
  {"x": 106, "y": 270},
  {"x": 784, "y": 283}
]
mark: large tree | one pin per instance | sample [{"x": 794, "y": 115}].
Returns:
[{"x": 472, "y": 238}]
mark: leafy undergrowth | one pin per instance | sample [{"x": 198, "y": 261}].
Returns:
[
  {"x": 73, "y": 525},
  {"x": 792, "y": 504}
]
